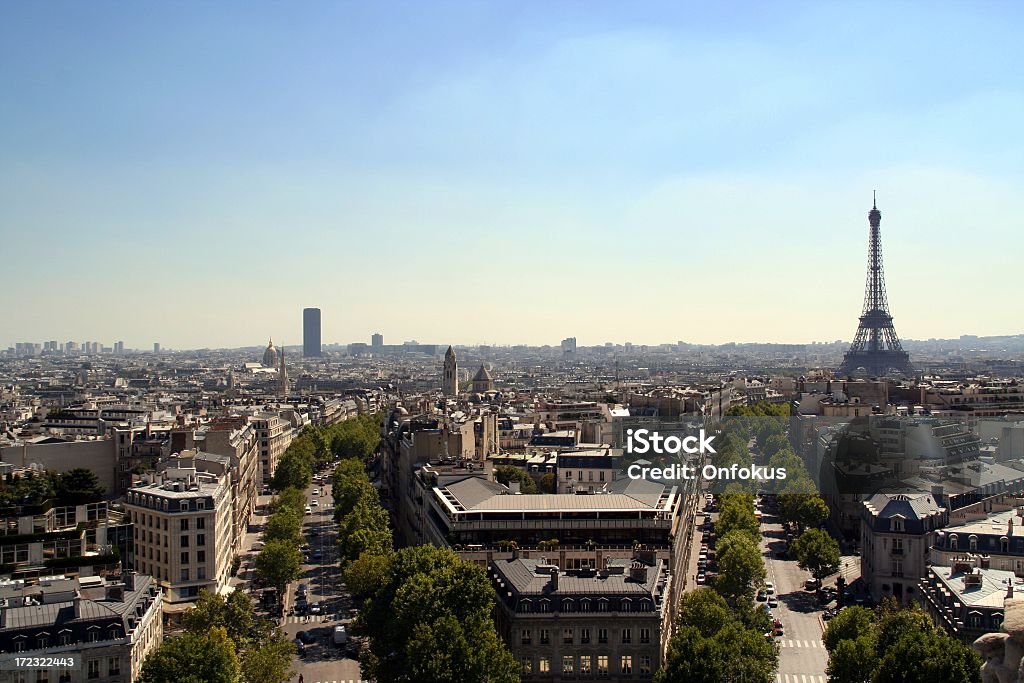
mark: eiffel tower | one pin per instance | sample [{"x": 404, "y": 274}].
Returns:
[{"x": 876, "y": 349}]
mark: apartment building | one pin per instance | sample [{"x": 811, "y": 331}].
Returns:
[
  {"x": 586, "y": 469},
  {"x": 109, "y": 625},
  {"x": 184, "y": 529},
  {"x": 897, "y": 530},
  {"x": 966, "y": 599},
  {"x": 274, "y": 434},
  {"x": 236, "y": 438},
  {"x": 586, "y": 623},
  {"x": 37, "y": 539}
]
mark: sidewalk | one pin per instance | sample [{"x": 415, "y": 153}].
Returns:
[{"x": 246, "y": 571}]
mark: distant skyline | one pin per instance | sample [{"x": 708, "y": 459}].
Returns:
[{"x": 198, "y": 173}]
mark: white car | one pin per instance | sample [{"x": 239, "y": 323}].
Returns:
[
  {"x": 769, "y": 588},
  {"x": 309, "y": 510},
  {"x": 316, "y": 492},
  {"x": 315, "y": 503}
]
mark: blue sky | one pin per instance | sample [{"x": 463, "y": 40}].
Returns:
[{"x": 196, "y": 173}]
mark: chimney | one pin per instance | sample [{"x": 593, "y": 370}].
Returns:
[
  {"x": 129, "y": 580},
  {"x": 1009, "y": 527},
  {"x": 115, "y": 592},
  {"x": 638, "y": 572},
  {"x": 985, "y": 560},
  {"x": 1009, "y": 589},
  {"x": 554, "y": 579},
  {"x": 515, "y": 552}
]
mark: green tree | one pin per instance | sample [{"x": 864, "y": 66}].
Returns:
[
  {"x": 279, "y": 563},
  {"x": 350, "y": 491},
  {"x": 736, "y": 513},
  {"x": 712, "y": 644},
  {"x": 367, "y": 573},
  {"x": 364, "y": 540},
  {"x": 504, "y": 474},
  {"x": 817, "y": 552},
  {"x": 403, "y": 619},
  {"x": 193, "y": 658},
  {"x": 774, "y": 444},
  {"x": 78, "y": 487},
  {"x": 235, "y": 614},
  {"x": 893, "y": 625},
  {"x": 928, "y": 656},
  {"x": 291, "y": 498},
  {"x": 548, "y": 483},
  {"x": 740, "y": 566},
  {"x": 446, "y": 650},
  {"x": 852, "y": 661},
  {"x": 292, "y": 471},
  {"x": 284, "y": 525},
  {"x": 270, "y": 661},
  {"x": 705, "y": 610},
  {"x": 851, "y": 623}
]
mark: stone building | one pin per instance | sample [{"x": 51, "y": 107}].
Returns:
[
  {"x": 897, "y": 529},
  {"x": 183, "y": 530},
  {"x": 109, "y": 625},
  {"x": 580, "y": 624}
]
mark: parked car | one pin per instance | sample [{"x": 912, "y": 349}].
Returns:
[
  {"x": 702, "y": 579},
  {"x": 761, "y": 595},
  {"x": 811, "y": 584},
  {"x": 309, "y": 510},
  {"x": 773, "y": 601},
  {"x": 315, "y": 608},
  {"x": 303, "y": 589},
  {"x": 340, "y": 635},
  {"x": 769, "y": 588}
]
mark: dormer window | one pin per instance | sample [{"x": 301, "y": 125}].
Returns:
[
  {"x": 896, "y": 524},
  {"x": 954, "y": 542},
  {"x": 973, "y": 540}
]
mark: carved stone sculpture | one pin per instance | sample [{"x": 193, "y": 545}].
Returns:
[{"x": 1003, "y": 652}]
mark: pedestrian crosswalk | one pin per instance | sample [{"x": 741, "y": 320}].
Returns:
[
  {"x": 801, "y": 678},
  {"x": 800, "y": 643},
  {"x": 304, "y": 620}
]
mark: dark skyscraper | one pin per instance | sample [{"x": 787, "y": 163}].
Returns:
[{"x": 311, "y": 332}]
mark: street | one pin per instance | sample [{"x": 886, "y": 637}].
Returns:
[
  {"x": 322, "y": 661},
  {"x": 802, "y": 655}
]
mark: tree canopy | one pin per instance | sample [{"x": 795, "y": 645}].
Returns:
[
  {"x": 193, "y": 658},
  {"x": 817, "y": 552},
  {"x": 431, "y": 620},
  {"x": 892, "y": 644},
  {"x": 712, "y": 644}
]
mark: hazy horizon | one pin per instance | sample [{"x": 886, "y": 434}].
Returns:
[{"x": 196, "y": 174}]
